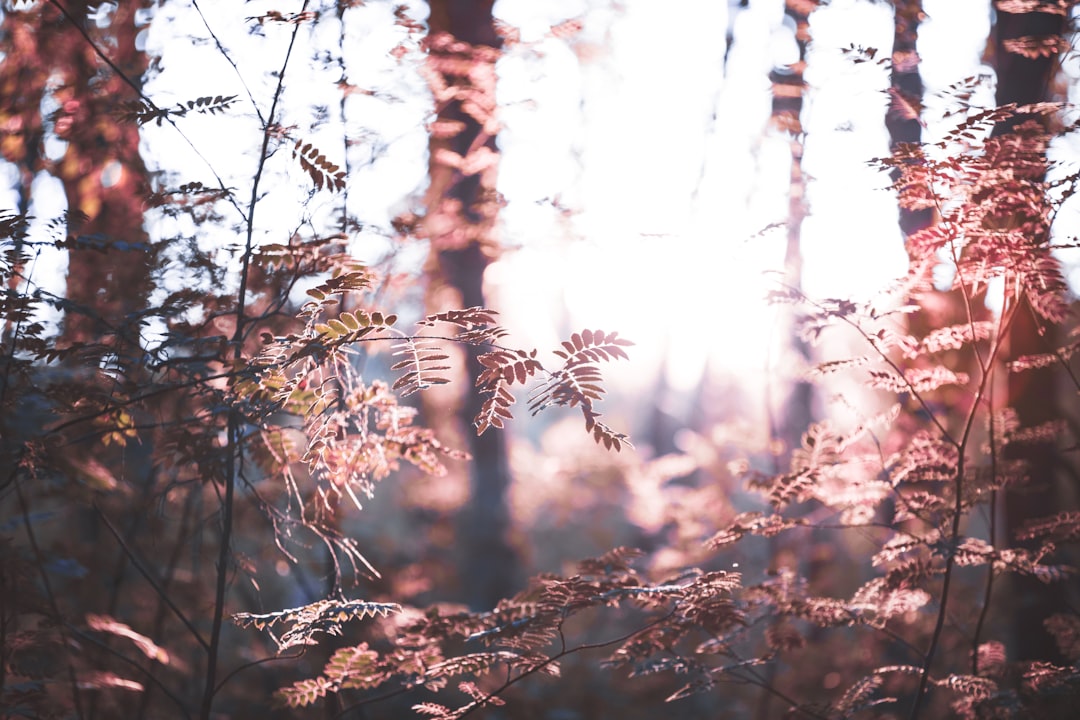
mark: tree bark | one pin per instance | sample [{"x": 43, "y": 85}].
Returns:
[
  {"x": 1032, "y": 394},
  {"x": 103, "y": 175},
  {"x": 462, "y": 204}
]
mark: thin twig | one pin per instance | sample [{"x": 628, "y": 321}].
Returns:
[
  {"x": 138, "y": 91},
  {"x": 150, "y": 578},
  {"x": 984, "y": 611},
  {"x": 234, "y": 438},
  {"x": 39, "y": 556},
  {"x": 558, "y": 656},
  {"x": 1004, "y": 323},
  {"x": 228, "y": 58}
]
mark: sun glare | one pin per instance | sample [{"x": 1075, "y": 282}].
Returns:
[{"x": 673, "y": 171}]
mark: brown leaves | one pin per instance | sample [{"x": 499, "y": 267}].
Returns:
[
  {"x": 324, "y": 616},
  {"x": 322, "y": 172},
  {"x": 106, "y": 624},
  {"x": 1035, "y": 47},
  {"x": 423, "y": 360},
  {"x": 578, "y": 382},
  {"x": 1020, "y": 7},
  {"x": 142, "y": 111}
]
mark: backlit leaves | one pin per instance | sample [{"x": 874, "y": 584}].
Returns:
[
  {"x": 143, "y": 111},
  {"x": 1034, "y": 47},
  {"x": 423, "y": 361},
  {"x": 106, "y": 624},
  {"x": 578, "y": 382},
  {"x": 322, "y": 172},
  {"x": 303, "y": 623}
]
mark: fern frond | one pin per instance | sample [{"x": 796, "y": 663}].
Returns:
[
  {"x": 354, "y": 281},
  {"x": 106, "y": 624},
  {"x": 858, "y": 695},
  {"x": 276, "y": 16},
  {"x": 754, "y": 523},
  {"x": 472, "y": 664},
  {"x": 505, "y": 366},
  {"x": 468, "y": 318},
  {"x": 971, "y": 686},
  {"x": 495, "y": 409},
  {"x": 1042, "y": 360},
  {"x": 1062, "y": 527},
  {"x": 435, "y": 711},
  {"x": 324, "y": 616},
  {"x": 954, "y": 337},
  {"x": 205, "y": 105},
  {"x": 578, "y": 383},
  {"x": 1041, "y": 676},
  {"x": 355, "y": 667},
  {"x": 421, "y": 360},
  {"x": 304, "y": 692},
  {"x": 919, "y": 380},
  {"x": 703, "y": 683},
  {"x": 322, "y": 172},
  {"x": 142, "y": 112},
  {"x": 1034, "y": 47}
]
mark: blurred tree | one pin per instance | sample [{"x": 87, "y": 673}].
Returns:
[
  {"x": 788, "y": 88},
  {"x": 462, "y": 204},
  {"x": 902, "y": 119},
  {"x": 1024, "y": 51},
  {"x": 54, "y": 69}
]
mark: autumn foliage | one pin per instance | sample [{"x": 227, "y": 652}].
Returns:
[{"x": 214, "y": 497}]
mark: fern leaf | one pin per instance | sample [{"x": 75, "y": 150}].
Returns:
[
  {"x": 1062, "y": 527},
  {"x": 304, "y": 692},
  {"x": 205, "y": 105},
  {"x": 422, "y": 359},
  {"x": 1034, "y": 47},
  {"x": 858, "y": 694},
  {"x": 579, "y": 382},
  {"x": 495, "y": 409},
  {"x": 971, "y": 686},
  {"x": 434, "y": 710},
  {"x": 140, "y": 112},
  {"x": 104, "y": 623},
  {"x": 1040, "y": 676},
  {"x": 324, "y": 616},
  {"x": 322, "y": 172}
]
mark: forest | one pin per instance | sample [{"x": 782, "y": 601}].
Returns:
[{"x": 581, "y": 359}]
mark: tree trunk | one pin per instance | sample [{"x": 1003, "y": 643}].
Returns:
[
  {"x": 906, "y": 97},
  {"x": 1032, "y": 394},
  {"x": 462, "y": 204},
  {"x": 103, "y": 175}
]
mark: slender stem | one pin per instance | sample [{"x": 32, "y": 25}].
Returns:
[
  {"x": 76, "y": 696},
  {"x": 150, "y": 579},
  {"x": 213, "y": 650},
  {"x": 228, "y": 58},
  {"x": 563, "y": 652},
  {"x": 1004, "y": 323},
  {"x": 162, "y": 610},
  {"x": 946, "y": 582},
  {"x": 988, "y": 591},
  {"x": 255, "y": 663},
  {"x": 138, "y": 91},
  {"x": 234, "y": 435},
  {"x": 993, "y": 543}
]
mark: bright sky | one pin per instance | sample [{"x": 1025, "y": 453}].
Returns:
[
  {"x": 674, "y": 170},
  {"x": 637, "y": 171}
]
